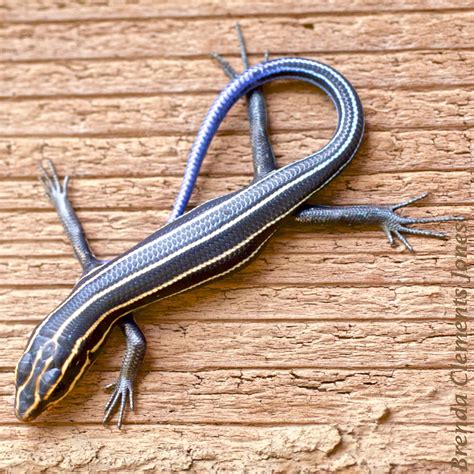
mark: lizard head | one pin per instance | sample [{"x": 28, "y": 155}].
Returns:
[{"x": 45, "y": 373}]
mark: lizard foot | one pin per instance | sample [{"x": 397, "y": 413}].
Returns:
[
  {"x": 226, "y": 67},
  {"x": 395, "y": 225},
  {"x": 56, "y": 192},
  {"x": 122, "y": 390}
]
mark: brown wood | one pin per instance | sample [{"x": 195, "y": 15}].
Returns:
[
  {"x": 255, "y": 303},
  {"x": 314, "y": 396},
  {"x": 242, "y": 447},
  {"x": 189, "y": 345},
  {"x": 381, "y": 152},
  {"x": 402, "y": 69},
  {"x": 58, "y": 10},
  {"x": 427, "y": 109},
  {"x": 152, "y": 37},
  {"x": 332, "y": 351}
]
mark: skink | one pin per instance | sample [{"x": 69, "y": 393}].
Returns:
[{"x": 208, "y": 242}]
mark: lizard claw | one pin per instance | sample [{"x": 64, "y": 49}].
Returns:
[
  {"x": 122, "y": 390},
  {"x": 226, "y": 67},
  {"x": 394, "y": 225},
  {"x": 50, "y": 181}
]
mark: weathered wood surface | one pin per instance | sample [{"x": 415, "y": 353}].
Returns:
[
  {"x": 190, "y": 345},
  {"x": 171, "y": 114},
  {"x": 58, "y": 10},
  {"x": 409, "y": 70},
  {"x": 243, "y": 396},
  {"x": 184, "y": 37},
  {"x": 330, "y": 352},
  {"x": 229, "y": 300},
  {"x": 216, "y": 447}
]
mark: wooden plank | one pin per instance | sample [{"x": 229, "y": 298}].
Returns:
[
  {"x": 269, "y": 269},
  {"x": 381, "y": 152},
  {"x": 159, "y": 193},
  {"x": 124, "y": 228},
  {"x": 172, "y": 37},
  {"x": 332, "y": 352},
  {"x": 298, "y": 107},
  {"x": 40, "y": 10},
  {"x": 228, "y": 300},
  {"x": 256, "y": 396},
  {"x": 312, "y": 240},
  {"x": 203, "y": 345},
  {"x": 376, "y": 446},
  {"x": 405, "y": 69}
]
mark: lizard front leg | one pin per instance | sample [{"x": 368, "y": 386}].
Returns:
[
  {"x": 123, "y": 388},
  {"x": 57, "y": 193}
]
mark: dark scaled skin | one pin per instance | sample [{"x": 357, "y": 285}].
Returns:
[{"x": 385, "y": 217}]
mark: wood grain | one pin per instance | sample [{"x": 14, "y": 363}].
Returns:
[
  {"x": 212, "y": 344},
  {"x": 331, "y": 352},
  {"x": 243, "y": 396},
  {"x": 276, "y": 268},
  {"x": 404, "y": 69},
  {"x": 210, "y": 447},
  {"x": 181, "y": 37},
  {"x": 229, "y": 300},
  {"x": 174, "y": 114},
  {"x": 381, "y": 152},
  {"x": 57, "y": 10}
]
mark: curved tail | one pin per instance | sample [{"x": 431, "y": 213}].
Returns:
[{"x": 346, "y": 138}]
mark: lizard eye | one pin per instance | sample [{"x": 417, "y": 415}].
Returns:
[{"x": 48, "y": 379}]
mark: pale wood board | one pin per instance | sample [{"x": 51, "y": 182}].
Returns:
[{"x": 331, "y": 352}]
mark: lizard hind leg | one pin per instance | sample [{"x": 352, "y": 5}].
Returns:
[
  {"x": 226, "y": 67},
  {"x": 243, "y": 48},
  {"x": 393, "y": 224},
  {"x": 262, "y": 152}
]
